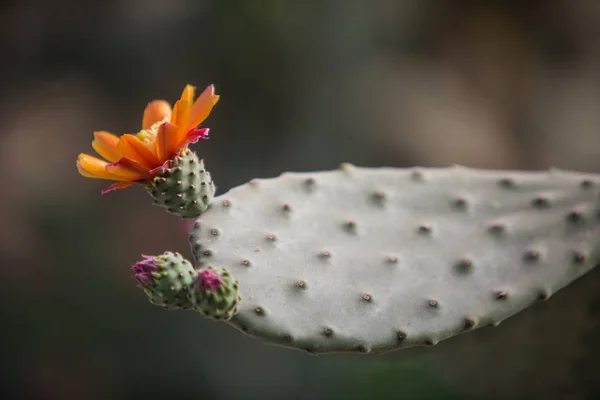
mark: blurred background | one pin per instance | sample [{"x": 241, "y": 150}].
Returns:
[{"x": 304, "y": 86}]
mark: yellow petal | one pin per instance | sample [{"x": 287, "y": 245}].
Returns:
[
  {"x": 105, "y": 144},
  {"x": 92, "y": 167},
  {"x": 202, "y": 107},
  {"x": 131, "y": 147},
  {"x": 155, "y": 111}
]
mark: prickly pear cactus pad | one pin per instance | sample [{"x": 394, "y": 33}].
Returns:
[{"x": 370, "y": 260}]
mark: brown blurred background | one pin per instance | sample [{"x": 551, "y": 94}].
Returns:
[{"x": 305, "y": 85}]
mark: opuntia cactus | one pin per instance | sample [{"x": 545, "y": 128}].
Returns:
[{"x": 357, "y": 259}]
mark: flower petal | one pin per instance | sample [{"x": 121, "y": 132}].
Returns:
[
  {"x": 164, "y": 137},
  {"x": 92, "y": 167},
  {"x": 117, "y": 185},
  {"x": 181, "y": 113},
  {"x": 131, "y": 147},
  {"x": 160, "y": 170},
  {"x": 155, "y": 111},
  {"x": 202, "y": 107},
  {"x": 188, "y": 94},
  {"x": 182, "y": 107},
  {"x": 86, "y": 165},
  {"x": 105, "y": 144},
  {"x": 195, "y": 134},
  {"x": 127, "y": 165}
]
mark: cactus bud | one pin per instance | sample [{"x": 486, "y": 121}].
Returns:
[
  {"x": 215, "y": 293},
  {"x": 209, "y": 280},
  {"x": 166, "y": 279},
  {"x": 143, "y": 271}
]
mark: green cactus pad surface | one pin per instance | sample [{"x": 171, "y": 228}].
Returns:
[
  {"x": 183, "y": 187},
  {"x": 169, "y": 280},
  {"x": 371, "y": 260},
  {"x": 215, "y": 293}
]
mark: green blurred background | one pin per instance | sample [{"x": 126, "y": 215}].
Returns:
[{"x": 304, "y": 86}]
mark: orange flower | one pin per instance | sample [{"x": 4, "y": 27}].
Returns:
[{"x": 137, "y": 158}]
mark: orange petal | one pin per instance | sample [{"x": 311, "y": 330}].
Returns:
[
  {"x": 92, "y": 167},
  {"x": 155, "y": 111},
  {"x": 181, "y": 113},
  {"x": 85, "y": 170},
  {"x": 105, "y": 144},
  {"x": 117, "y": 185},
  {"x": 202, "y": 107},
  {"x": 166, "y": 133},
  {"x": 131, "y": 147},
  {"x": 188, "y": 94},
  {"x": 182, "y": 106},
  {"x": 180, "y": 118},
  {"x": 125, "y": 164}
]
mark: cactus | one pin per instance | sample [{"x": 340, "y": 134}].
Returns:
[
  {"x": 215, "y": 293},
  {"x": 370, "y": 260},
  {"x": 166, "y": 279},
  {"x": 171, "y": 281},
  {"x": 358, "y": 259},
  {"x": 183, "y": 186}
]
